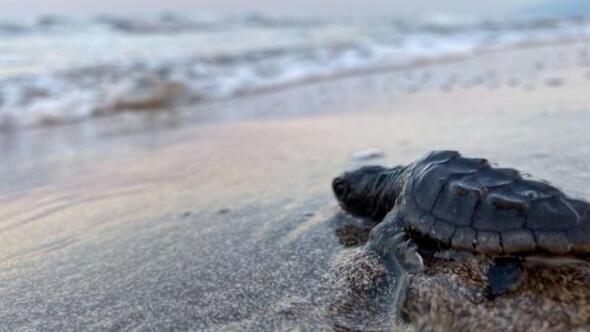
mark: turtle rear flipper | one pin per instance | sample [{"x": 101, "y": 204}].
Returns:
[{"x": 505, "y": 275}]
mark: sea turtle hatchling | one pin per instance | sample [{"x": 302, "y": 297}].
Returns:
[{"x": 465, "y": 204}]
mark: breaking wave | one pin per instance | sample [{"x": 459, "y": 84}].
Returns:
[{"x": 58, "y": 69}]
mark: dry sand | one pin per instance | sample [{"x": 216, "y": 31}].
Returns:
[{"x": 229, "y": 223}]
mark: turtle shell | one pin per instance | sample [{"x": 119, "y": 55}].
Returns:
[{"x": 468, "y": 204}]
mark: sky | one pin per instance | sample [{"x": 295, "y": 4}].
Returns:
[{"x": 24, "y": 8}]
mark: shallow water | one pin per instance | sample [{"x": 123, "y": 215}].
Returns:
[{"x": 65, "y": 69}]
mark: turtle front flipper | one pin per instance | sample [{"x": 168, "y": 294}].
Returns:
[
  {"x": 371, "y": 280},
  {"x": 505, "y": 275},
  {"x": 389, "y": 241}
]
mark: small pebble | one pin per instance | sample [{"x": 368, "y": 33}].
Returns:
[
  {"x": 540, "y": 155},
  {"x": 368, "y": 154}
]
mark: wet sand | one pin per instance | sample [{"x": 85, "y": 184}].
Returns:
[{"x": 223, "y": 219}]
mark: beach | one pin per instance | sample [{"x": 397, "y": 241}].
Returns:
[{"x": 222, "y": 217}]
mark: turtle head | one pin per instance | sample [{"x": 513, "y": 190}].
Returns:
[{"x": 357, "y": 191}]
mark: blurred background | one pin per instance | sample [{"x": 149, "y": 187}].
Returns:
[{"x": 64, "y": 61}]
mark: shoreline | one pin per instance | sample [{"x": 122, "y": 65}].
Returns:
[
  {"x": 377, "y": 70},
  {"x": 416, "y": 64}
]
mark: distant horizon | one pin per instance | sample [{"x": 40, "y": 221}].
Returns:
[{"x": 327, "y": 8}]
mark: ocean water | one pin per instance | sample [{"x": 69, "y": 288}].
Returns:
[{"x": 57, "y": 69}]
